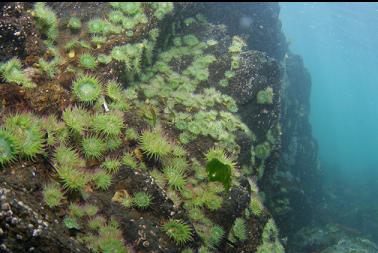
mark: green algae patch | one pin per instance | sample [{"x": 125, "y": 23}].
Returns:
[{"x": 220, "y": 172}]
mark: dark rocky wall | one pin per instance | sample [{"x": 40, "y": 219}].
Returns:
[
  {"x": 258, "y": 21},
  {"x": 292, "y": 174},
  {"x": 295, "y": 190}
]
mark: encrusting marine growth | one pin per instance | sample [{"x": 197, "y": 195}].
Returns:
[{"x": 140, "y": 106}]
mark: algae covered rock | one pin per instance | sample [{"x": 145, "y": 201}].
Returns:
[{"x": 151, "y": 131}]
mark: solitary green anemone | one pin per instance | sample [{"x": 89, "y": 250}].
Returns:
[
  {"x": 239, "y": 229},
  {"x": 180, "y": 232},
  {"x": 65, "y": 156},
  {"x": 175, "y": 178},
  {"x": 129, "y": 161},
  {"x": 97, "y": 26},
  {"x": 12, "y": 72},
  {"x": 88, "y": 61},
  {"x": 52, "y": 195},
  {"x": 71, "y": 223},
  {"x": 87, "y": 88},
  {"x": 118, "y": 53},
  {"x": 8, "y": 147},
  {"x": 131, "y": 134},
  {"x": 98, "y": 39},
  {"x": 115, "y": 17},
  {"x": 109, "y": 124},
  {"x": 76, "y": 118},
  {"x": 27, "y": 134},
  {"x": 262, "y": 151},
  {"x": 104, "y": 59},
  {"x": 215, "y": 236},
  {"x": 190, "y": 40},
  {"x": 47, "y": 21},
  {"x": 142, "y": 200},
  {"x": 130, "y": 8},
  {"x": 102, "y": 180},
  {"x": 93, "y": 147},
  {"x": 111, "y": 164},
  {"x": 72, "y": 179},
  {"x": 154, "y": 144},
  {"x": 74, "y": 23},
  {"x": 265, "y": 96},
  {"x": 114, "y": 91}
]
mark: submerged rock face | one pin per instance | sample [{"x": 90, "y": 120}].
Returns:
[{"x": 207, "y": 80}]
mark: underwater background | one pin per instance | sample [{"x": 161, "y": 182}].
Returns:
[
  {"x": 337, "y": 42},
  {"x": 130, "y": 127}
]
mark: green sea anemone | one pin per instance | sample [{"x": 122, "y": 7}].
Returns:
[
  {"x": 102, "y": 180},
  {"x": 47, "y": 22},
  {"x": 27, "y": 134},
  {"x": 130, "y": 8},
  {"x": 113, "y": 142},
  {"x": 114, "y": 90},
  {"x": 127, "y": 202},
  {"x": 215, "y": 236},
  {"x": 129, "y": 161},
  {"x": 11, "y": 71},
  {"x": 71, "y": 44},
  {"x": 142, "y": 200},
  {"x": 52, "y": 195},
  {"x": 109, "y": 239},
  {"x": 162, "y": 9},
  {"x": 128, "y": 23},
  {"x": 93, "y": 147},
  {"x": 65, "y": 156},
  {"x": 87, "y": 88},
  {"x": 211, "y": 42},
  {"x": 190, "y": 40},
  {"x": 131, "y": 134},
  {"x": 111, "y": 165},
  {"x": 8, "y": 147},
  {"x": 262, "y": 151},
  {"x": 118, "y": 53},
  {"x": 212, "y": 201},
  {"x": 74, "y": 23},
  {"x": 71, "y": 223},
  {"x": 196, "y": 214},
  {"x": 129, "y": 33},
  {"x": 97, "y": 26},
  {"x": 239, "y": 229},
  {"x": 104, "y": 59},
  {"x": 115, "y": 17},
  {"x": 179, "y": 151},
  {"x": 256, "y": 206},
  {"x": 270, "y": 239},
  {"x": 76, "y": 210},
  {"x": 98, "y": 40},
  {"x": 72, "y": 179},
  {"x": 109, "y": 124},
  {"x": 178, "y": 163},
  {"x": 76, "y": 118},
  {"x": 88, "y": 61},
  {"x": 265, "y": 96},
  {"x": 180, "y": 232},
  {"x": 154, "y": 144},
  {"x": 175, "y": 178},
  {"x": 90, "y": 210},
  {"x": 96, "y": 222}
]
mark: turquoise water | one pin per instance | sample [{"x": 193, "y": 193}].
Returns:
[{"x": 338, "y": 44}]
